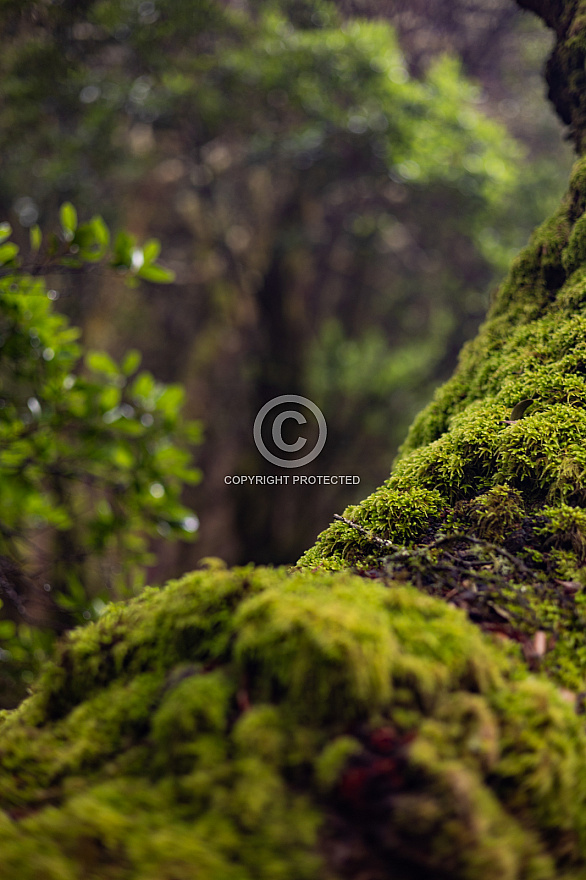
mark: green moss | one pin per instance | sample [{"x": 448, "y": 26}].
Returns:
[
  {"x": 332, "y": 761},
  {"x": 496, "y": 513},
  {"x": 566, "y": 527},
  {"x": 233, "y": 723},
  {"x": 574, "y": 254},
  {"x": 390, "y": 513}
]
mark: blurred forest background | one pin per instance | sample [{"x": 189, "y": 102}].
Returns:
[{"x": 338, "y": 187}]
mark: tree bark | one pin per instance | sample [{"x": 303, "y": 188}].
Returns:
[{"x": 565, "y": 70}]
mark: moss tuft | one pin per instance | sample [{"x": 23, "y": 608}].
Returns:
[{"x": 495, "y": 515}]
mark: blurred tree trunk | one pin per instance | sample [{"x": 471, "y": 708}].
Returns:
[{"x": 565, "y": 72}]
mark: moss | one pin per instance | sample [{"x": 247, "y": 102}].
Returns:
[
  {"x": 566, "y": 527},
  {"x": 333, "y": 759},
  {"x": 574, "y": 254},
  {"x": 565, "y": 67},
  {"x": 390, "y": 513},
  {"x": 235, "y": 722},
  {"x": 495, "y": 514}
]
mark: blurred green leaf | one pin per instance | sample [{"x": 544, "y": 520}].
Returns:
[
  {"x": 68, "y": 217},
  {"x": 7, "y": 629},
  {"x": 131, "y": 362},
  {"x": 71, "y": 262},
  {"x": 101, "y": 362},
  {"x": 35, "y": 238},
  {"x": 171, "y": 400},
  {"x": 144, "y": 386},
  {"x": 156, "y": 274},
  {"x": 151, "y": 250},
  {"x": 101, "y": 232},
  {"x": 123, "y": 247},
  {"x": 8, "y": 252}
]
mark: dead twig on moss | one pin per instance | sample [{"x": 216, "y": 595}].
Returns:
[
  {"x": 487, "y": 545},
  {"x": 374, "y": 539}
]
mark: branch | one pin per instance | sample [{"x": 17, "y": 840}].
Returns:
[{"x": 374, "y": 539}]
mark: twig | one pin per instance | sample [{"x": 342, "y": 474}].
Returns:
[
  {"x": 374, "y": 539},
  {"x": 447, "y": 539}
]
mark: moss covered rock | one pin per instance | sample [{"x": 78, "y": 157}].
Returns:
[{"x": 253, "y": 724}]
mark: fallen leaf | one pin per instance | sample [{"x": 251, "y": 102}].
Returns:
[{"x": 520, "y": 408}]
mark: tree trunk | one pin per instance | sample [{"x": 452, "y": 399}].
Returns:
[{"x": 566, "y": 72}]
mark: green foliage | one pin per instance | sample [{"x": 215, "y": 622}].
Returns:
[
  {"x": 93, "y": 455},
  {"x": 76, "y": 245}
]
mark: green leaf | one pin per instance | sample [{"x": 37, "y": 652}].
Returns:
[
  {"x": 100, "y": 362},
  {"x": 53, "y": 246},
  {"x": 85, "y": 236},
  {"x": 5, "y": 231},
  {"x": 122, "y": 457},
  {"x": 123, "y": 247},
  {"x": 71, "y": 262},
  {"x": 8, "y": 252},
  {"x": 171, "y": 400},
  {"x": 144, "y": 385},
  {"x": 156, "y": 274},
  {"x": 101, "y": 231},
  {"x": 36, "y": 238},
  {"x": 131, "y": 362},
  {"x": 90, "y": 256},
  {"x": 191, "y": 475},
  {"x": 110, "y": 397},
  {"x": 7, "y": 629},
  {"x": 68, "y": 217},
  {"x": 151, "y": 250},
  {"x": 93, "y": 239},
  {"x": 193, "y": 432}
]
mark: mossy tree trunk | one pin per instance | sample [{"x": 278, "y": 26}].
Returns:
[{"x": 486, "y": 504}]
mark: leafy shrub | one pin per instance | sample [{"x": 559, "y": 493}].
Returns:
[{"x": 93, "y": 454}]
